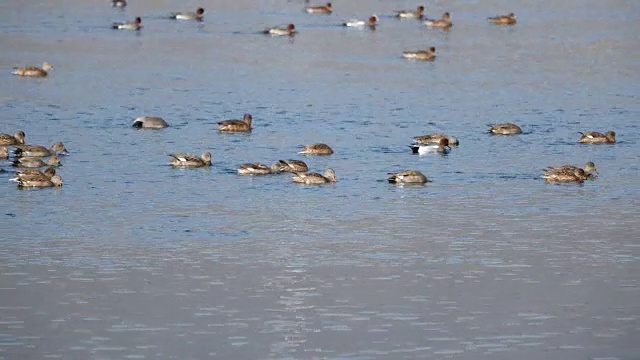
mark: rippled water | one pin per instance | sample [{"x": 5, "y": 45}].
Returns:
[{"x": 134, "y": 259}]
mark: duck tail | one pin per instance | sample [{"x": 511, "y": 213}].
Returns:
[
  {"x": 414, "y": 148},
  {"x": 137, "y": 124}
]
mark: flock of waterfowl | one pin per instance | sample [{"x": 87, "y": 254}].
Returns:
[{"x": 31, "y": 156}]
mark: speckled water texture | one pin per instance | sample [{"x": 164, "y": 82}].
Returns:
[{"x": 133, "y": 259}]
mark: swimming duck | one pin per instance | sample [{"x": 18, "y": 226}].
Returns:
[
  {"x": 505, "y": 129},
  {"x": 316, "y": 149},
  {"x": 441, "y": 148},
  {"x": 55, "y": 181},
  {"x": 33, "y": 71},
  {"x": 323, "y": 9},
  {"x": 149, "y": 122},
  {"x": 565, "y": 175},
  {"x": 508, "y": 19},
  {"x": 254, "y": 169},
  {"x": 435, "y": 139},
  {"x": 131, "y": 25},
  {"x": 443, "y": 23},
  {"x": 281, "y": 31},
  {"x": 189, "y": 160},
  {"x": 407, "y": 177},
  {"x": 17, "y": 138},
  {"x": 371, "y": 22},
  {"x": 315, "y": 178},
  {"x": 592, "y": 137},
  {"x": 188, "y": 15},
  {"x": 589, "y": 169},
  {"x": 408, "y": 14},
  {"x": 428, "y": 54},
  {"x": 38, "y": 150},
  {"x": 118, "y": 3},
  {"x": 243, "y": 125},
  {"x": 34, "y": 162},
  {"x": 34, "y": 174},
  {"x": 294, "y": 166}
]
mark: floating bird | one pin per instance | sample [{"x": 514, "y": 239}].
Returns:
[
  {"x": 409, "y": 14},
  {"x": 55, "y": 181},
  {"x": 131, "y": 25},
  {"x": 34, "y": 174},
  {"x": 371, "y": 22},
  {"x": 508, "y": 19},
  {"x": 294, "y": 166},
  {"x": 505, "y": 129},
  {"x": 565, "y": 175},
  {"x": 589, "y": 169},
  {"x": 198, "y": 15},
  {"x": 428, "y": 54},
  {"x": 407, "y": 177},
  {"x": 38, "y": 150},
  {"x": 243, "y": 125},
  {"x": 17, "y": 138},
  {"x": 323, "y": 9},
  {"x": 118, "y": 3},
  {"x": 441, "y": 148},
  {"x": 435, "y": 139},
  {"x": 316, "y": 149},
  {"x": 593, "y": 137},
  {"x": 315, "y": 178},
  {"x": 149, "y": 122},
  {"x": 34, "y": 162},
  {"x": 189, "y": 160},
  {"x": 281, "y": 31},
  {"x": 33, "y": 71},
  {"x": 254, "y": 169},
  {"x": 443, "y": 23}
]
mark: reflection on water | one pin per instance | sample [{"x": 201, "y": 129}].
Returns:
[{"x": 134, "y": 259}]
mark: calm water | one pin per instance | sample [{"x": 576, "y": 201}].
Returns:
[{"x": 132, "y": 259}]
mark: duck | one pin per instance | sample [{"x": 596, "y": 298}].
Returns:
[
  {"x": 589, "y": 169},
  {"x": 440, "y": 148},
  {"x": 119, "y": 3},
  {"x": 409, "y": 14},
  {"x": 315, "y": 178},
  {"x": 243, "y": 125},
  {"x": 443, "y": 23},
  {"x": 565, "y": 175},
  {"x": 198, "y": 15},
  {"x": 55, "y": 181},
  {"x": 35, "y": 162},
  {"x": 34, "y": 174},
  {"x": 407, "y": 177},
  {"x": 323, "y": 9},
  {"x": 435, "y": 139},
  {"x": 149, "y": 122},
  {"x": 254, "y": 169},
  {"x": 290, "y": 165},
  {"x": 508, "y": 19},
  {"x": 189, "y": 160},
  {"x": 316, "y": 149},
  {"x": 16, "y": 139},
  {"x": 281, "y": 31},
  {"x": 4, "y": 153},
  {"x": 33, "y": 71},
  {"x": 428, "y": 54},
  {"x": 39, "y": 150},
  {"x": 505, "y": 129},
  {"x": 593, "y": 137},
  {"x": 131, "y": 25},
  {"x": 371, "y": 22}
]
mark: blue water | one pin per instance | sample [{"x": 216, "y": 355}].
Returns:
[{"x": 134, "y": 259}]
